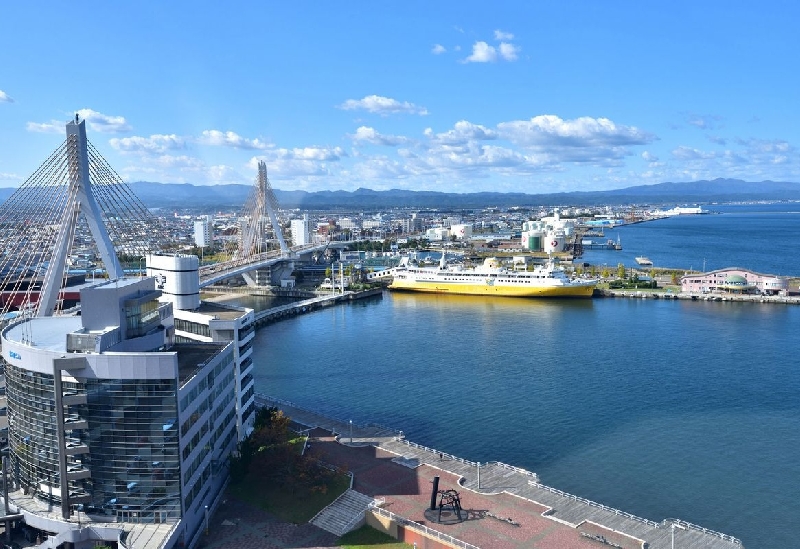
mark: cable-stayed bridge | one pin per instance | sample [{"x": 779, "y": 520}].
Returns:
[{"x": 75, "y": 203}]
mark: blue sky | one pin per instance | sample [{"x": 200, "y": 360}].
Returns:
[{"x": 451, "y": 95}]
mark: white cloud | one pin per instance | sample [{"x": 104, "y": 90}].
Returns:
[
  {"x": 383, "y": 105},
  {"x": 104, "y": 123},
  {"x": 96, "y": 121},
  {"x": 688, "y": 153},
  {"x": 370, "y": 135},
  {"x": 153, "y": 144},
  {"x": 649, "y": 157},
  {"x": 704, "y": 121},
  {"x": 484, "y": 53},
  {"x": 321, "y": 154},
  {"x": 289, "y": 168},
  {"x": 462, "y": 133},
  {"x": 378, "y": 169},
  {"x": 172, "y": 161},
  {"x": 502, "y": 36},
  {"x": 221, "y": 174},
  {"x": 438, "y": 49},
  {"x": 509, "y": 51},
  {"x": 5, "y": 98},
  {"x": 54, "y": 126},
  {"x": 182, "y": 169},
  {"x": 580, "y": 140},
  {"x": 231, "y": 139},
  {"x": 717, "y": 139}
]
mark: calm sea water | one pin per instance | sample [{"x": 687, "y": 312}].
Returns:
[
  {"x": 660, "y": 408},
  {"x": 759, "y": 237}
]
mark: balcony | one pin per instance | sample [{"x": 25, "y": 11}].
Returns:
[
  {"x": 73, "y": 398},
  {"x": 77, "y": 472},
  {"x": 74, "y": 448},
  {"x": 73, "y": 423}
]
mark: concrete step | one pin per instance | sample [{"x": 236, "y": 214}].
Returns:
[{"x": 341, "y": 515}]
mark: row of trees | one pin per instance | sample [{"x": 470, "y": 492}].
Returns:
[{"x": 271, "y": 455}]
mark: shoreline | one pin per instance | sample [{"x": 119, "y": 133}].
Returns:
[
  {"x": 688, "y": 296},
  {"x": 497, "y": 478}
]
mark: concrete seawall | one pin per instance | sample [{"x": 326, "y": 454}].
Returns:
[
  {"x": 313, "y": 304},
  {"x": 742, "y": 298}
]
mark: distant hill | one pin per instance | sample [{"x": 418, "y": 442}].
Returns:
[{"x": 225, "y": 197}]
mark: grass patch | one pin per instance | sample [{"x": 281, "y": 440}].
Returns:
[
  {"x": 297, "y": 507},
  {"x": 367, "y": 537}
]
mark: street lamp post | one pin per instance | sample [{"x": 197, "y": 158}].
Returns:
[{"x": 351, "y": 431}]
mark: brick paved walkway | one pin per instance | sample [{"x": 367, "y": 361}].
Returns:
[
  {"x": 503, "y": 505},
  {"x": 407, "y": 492}
]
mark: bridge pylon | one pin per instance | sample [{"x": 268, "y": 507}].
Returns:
[
  {"x": 74, "y": 205},
  {"x": 260, "y": 207}
]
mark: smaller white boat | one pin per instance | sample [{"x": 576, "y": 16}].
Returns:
[{"x": 643, "y": 261}]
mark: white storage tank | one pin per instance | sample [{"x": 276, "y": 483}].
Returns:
[
  {"x": 178, "y": 278},
  {"x": 554, "y": 241}
]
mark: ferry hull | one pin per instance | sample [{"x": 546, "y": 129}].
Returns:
[{"x": 577, "y": 290}]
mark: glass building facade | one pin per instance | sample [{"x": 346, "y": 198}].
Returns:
[{"x": 121, "y": 441}]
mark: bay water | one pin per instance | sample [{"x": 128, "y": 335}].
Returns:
[{"x": 660, "y": 408}]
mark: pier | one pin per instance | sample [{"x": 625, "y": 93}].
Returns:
[
  {"x": 514, "y": 508},
  {"x": 273, "y": 314}
]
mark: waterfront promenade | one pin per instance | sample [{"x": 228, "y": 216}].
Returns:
[
  {"x": 734, "y": 298},
  {"x": 507, "y": 507}
]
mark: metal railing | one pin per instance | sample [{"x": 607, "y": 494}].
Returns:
[
  {"x": 429, "y": 532},
  {"x": 437, "y": 453},
  {"x": 596, "y": 505},
  {"x": 667, "y": 523},
  {"x": 519, "y": 470}
]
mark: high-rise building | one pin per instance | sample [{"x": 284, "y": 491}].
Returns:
[
  {"x": 204, "y": 232},
  {"x": 300, "y": 231},
  {"x": 118, "y": 429}
]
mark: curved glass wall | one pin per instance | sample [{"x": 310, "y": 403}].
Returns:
[
  {"x": 133, "y": 441},
  {"x": 121, "y": 439},
  {"x": 32, "y": 434}
]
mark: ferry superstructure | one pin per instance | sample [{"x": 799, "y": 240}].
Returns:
[{"x": 491, "y": 278}]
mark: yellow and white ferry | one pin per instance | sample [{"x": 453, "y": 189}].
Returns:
[{"x": 548, "y": 280}]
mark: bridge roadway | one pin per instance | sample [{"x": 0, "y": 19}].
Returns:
[
  {"x": 213, "y": 274},
  {"x": 496, "y": 478}
]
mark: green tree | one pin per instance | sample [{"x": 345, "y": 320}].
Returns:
[{"x": 620, "y": 270}]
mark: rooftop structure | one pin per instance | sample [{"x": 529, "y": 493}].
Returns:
[{"x": 107, "y": 411}]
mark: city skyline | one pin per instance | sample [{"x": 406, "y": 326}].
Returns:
[{"x": 451, "y": 97}]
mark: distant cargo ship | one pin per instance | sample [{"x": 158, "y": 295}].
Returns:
[{"x": 549, "y": 280}]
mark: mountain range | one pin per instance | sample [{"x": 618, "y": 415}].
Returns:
[{"x": 233, "y": 196}]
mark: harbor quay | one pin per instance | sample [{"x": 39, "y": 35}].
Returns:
[
  {"x": 503, "y": 506},
  {"x": 697, "y": 296}
]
